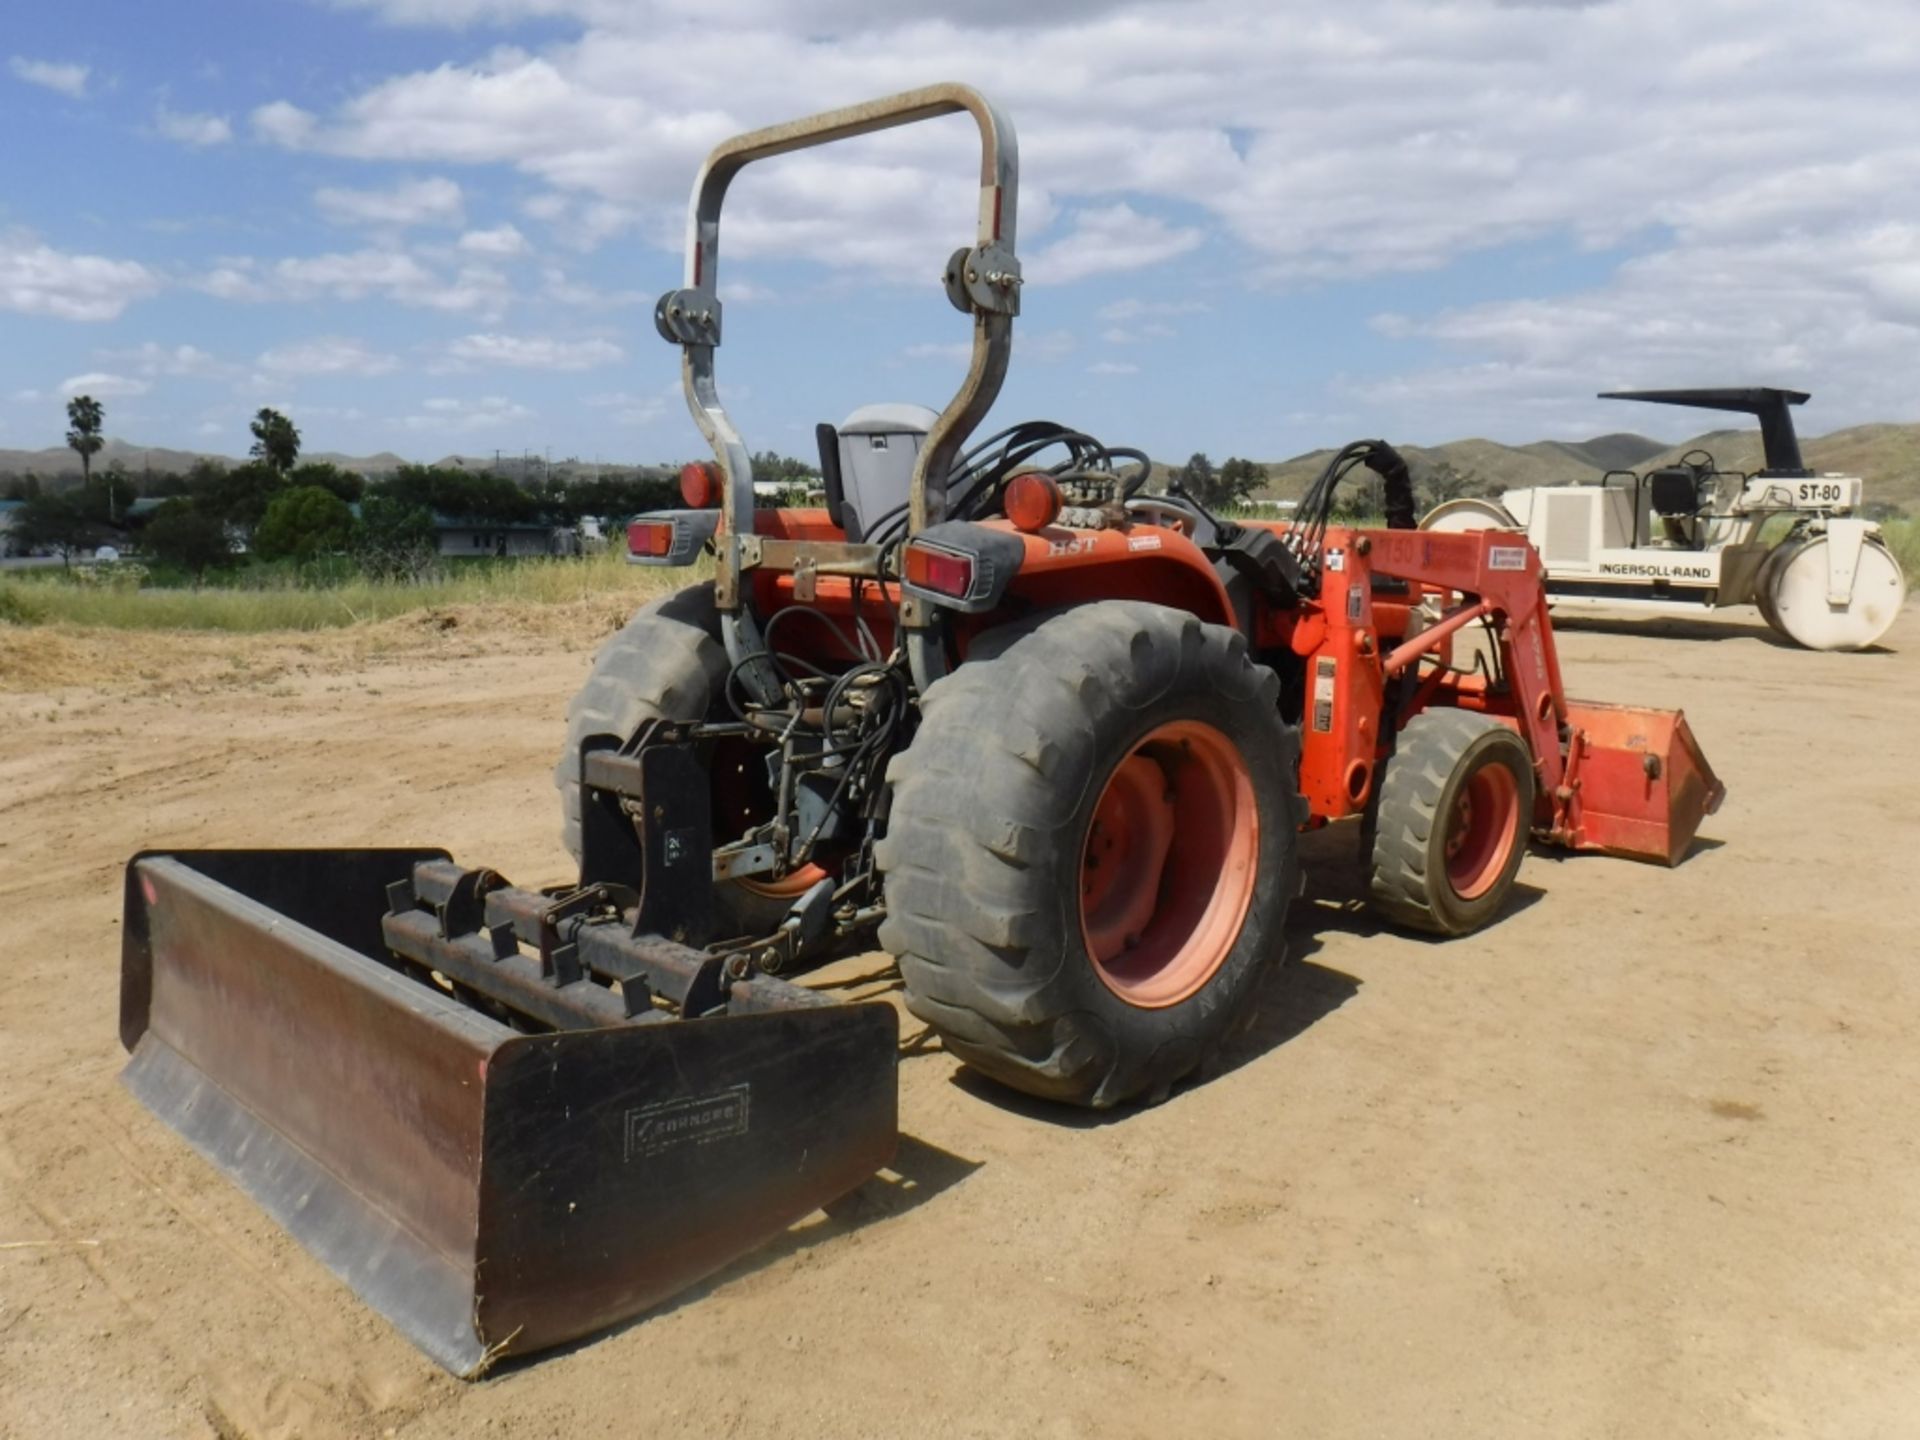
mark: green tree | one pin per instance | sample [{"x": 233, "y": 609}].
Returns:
[
  {"x": 23, "y": 487},
  {"x": 395, "y": 540},
  {"x": 617, "y": 496},
  {"x": 1447, "y": 481},
  {"x": 302, "y": 523},
  {"x": 275, "y": 441},
  {"x": 60, "y": 523},
  {"x": 239, "y": 496},
  {"x": 344, "y": 483},
  {"x": 85, "y": 418},
  {"x": 185, "y": 537},
  {"x": 460, "y": 493},
  {"x": 1361, "y": 499},
  {"x": 771, "y": 465},
  {"x": 167, "y": 485},
  {"x": 1237, "y": 481}
]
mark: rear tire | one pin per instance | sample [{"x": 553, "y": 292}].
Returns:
[
  {"x": 1454, "y": 814},
  {"x": 1093, "y": 736},
  {"x": 666, "y": 663}
]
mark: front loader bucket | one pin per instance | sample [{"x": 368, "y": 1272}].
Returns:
[
  {"x": 487, "y": 1190},
  {"x": 1643, "y": 785}
]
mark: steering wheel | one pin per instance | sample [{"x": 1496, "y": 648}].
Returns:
[{"x": 1165, "y": 512}]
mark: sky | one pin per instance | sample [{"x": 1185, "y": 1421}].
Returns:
[{"x": 1247, "y": 227}]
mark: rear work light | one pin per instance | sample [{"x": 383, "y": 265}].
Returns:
[
  {"x": 652, "y": 538},
  {"x": 1032, "y": 501},
  {"x": 700, "y": 485},
  {"x": 941, "y": 571}
]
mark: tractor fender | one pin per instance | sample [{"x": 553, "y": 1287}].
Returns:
[{"x": 1143, "y": 562}]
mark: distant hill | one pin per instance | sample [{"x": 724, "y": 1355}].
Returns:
[
  {"x": 1887, "y": 457},
  {"x": 1621, "y": 451},
  {"x": 59, "y": 463}
]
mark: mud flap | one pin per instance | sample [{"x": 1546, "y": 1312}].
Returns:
[
  {"x": 1643, "y": 784},
  {"x": 489, "y": 1191}
]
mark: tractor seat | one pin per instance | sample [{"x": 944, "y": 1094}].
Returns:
[{"x": 866, "y": 463}]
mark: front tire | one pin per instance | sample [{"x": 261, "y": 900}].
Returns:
[
  {"x": 1455, "y": 811},
  {"x": 1092, "y": 849}
]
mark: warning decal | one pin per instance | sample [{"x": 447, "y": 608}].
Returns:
[
  {"x": 1507, "y": 557},
  {"x": 1323, "y": 675}
]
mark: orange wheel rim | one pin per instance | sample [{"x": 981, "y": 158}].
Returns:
[
  {"x": 1481, "y": 830},
  {"x": 1167, "y": 871}
]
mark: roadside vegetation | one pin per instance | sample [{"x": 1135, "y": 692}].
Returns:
[
  {"x": 275, "y": 544},
  {"x": 316, "y": 597}
]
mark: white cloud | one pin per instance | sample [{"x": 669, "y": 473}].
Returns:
[
  {"x": 1112, "y": 367},
  {"x": 957, "y": 350},
  {"x": 1108, "y": 239},
  {"x": 432, "y": 201},
  {"x": 67, "y": 79},
  {"x": 1144, "y": 320},
  {"x": 198, "y": 131},
  {"x": 38, "y": 280},
  {"x": 327, "y": 355},
  {"x": 562, "y": 289},
  {"x": 502, "y": 240},
  {"x": 385, "y": 274},
  {"x": 1232, "y": 143},
  {"x": 744, "y": 292},
  {"x": 1045, "y": 346},
  {"x": 152, "y": 359},
  {"x": 456, "y": 415},
  {"x": 531, "y": 352},
  {"x": 1134, "y": 308},
  {"x": 1403, "y": 136},
  {"x": 353, "y": 274},
  {"x": 102, "y": 385},
  {"x": 1789, "y": 310},
  {"x": 638, "y": 410},
  {"x": 282, "y": 123}
]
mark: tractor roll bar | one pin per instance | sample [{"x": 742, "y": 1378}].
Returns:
[{"x": 982, "y": 280}]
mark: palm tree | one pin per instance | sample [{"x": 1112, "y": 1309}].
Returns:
[
  {"x": 85, "y": 416},
  {"x": 275, "y": 440}
]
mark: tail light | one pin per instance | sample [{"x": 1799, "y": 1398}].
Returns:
[
  {"x": 652, "y": 538},
  {"x": 1032, "y": 501},
  {"x": 700, "y": 484},
  {"x": 927, "y": 567}
]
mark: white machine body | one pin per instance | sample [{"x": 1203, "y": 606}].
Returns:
[{"x": 1830, "y": 583}]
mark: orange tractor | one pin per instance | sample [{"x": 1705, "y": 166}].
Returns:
[{"x": 1049, "y": 737}]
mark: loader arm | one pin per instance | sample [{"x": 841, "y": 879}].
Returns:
[{"x": 1624, "y": 780}]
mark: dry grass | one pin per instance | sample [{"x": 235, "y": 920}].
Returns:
[
  {"x": 1903, "y": 539},
  {"x": 102, "y": 599},
  {"x": 55, "y": 635},
  {"x": 59, "y": 656}
]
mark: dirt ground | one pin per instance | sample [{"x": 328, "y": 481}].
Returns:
[{"x": 1639, "y": 1161}]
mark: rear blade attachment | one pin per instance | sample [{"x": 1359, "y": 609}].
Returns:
[
  {"x": 1641, "y": 782},
  {"x": 502, "y": 1119}
]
